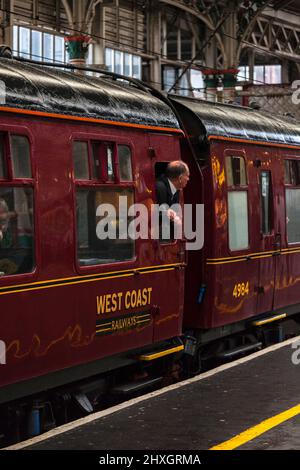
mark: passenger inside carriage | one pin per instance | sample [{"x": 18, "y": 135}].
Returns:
[
  {"x": 5, "y": 236},
  {"x": 16, "y": 241}
]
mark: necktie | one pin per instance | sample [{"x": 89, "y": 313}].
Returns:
[{"x": 175, "y": 197}]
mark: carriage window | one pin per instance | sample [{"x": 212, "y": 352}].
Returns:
[
  {"x": 20, "y": 156},
  {"x": 292, "y": 172},
  {"x": 96, "y": 160},
  {"x": 100, "y": 226},
  {"x": 16, "y": 230},
  {"x": 292, "y": 199},
  {"x": 236, "y": 171},
  {"x": 110, "y": 164},
  {"x": 3, "y": 172},
  {"x": 237, "y": 203},
  {"x": 81, "y": 160},
  {"x": 238, "y": 220},
  {"x": 102, "y": 230},
  {"x": 287, "y": 176},
  {"x": 124, "y": 158},
  {"x": 16, "y": 207},
  {"x": 265, "y": 195}
]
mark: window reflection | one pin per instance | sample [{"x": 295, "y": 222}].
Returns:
[
  {"x": 16, "y": 230},
  {"x": 124, "y": 158},
  {"x": 80, "y": 159},
  {"x": 235, "y": 171},
  {"x": 238, "y": 220},
  {"x": 20, "y": 156},
  {"x": 92, "y": 250},
  {"x": 292, "y": 197}
]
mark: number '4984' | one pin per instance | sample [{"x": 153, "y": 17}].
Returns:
[{"x": 241, "y": 289}]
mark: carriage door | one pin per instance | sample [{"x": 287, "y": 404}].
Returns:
[
  {"x": 168, "y": 282},
  {"x": 288, "y": 264},
  {"x": 269, "y": 239}
]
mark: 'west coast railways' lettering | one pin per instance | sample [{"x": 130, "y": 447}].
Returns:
[{"x": 110, "y": 303}]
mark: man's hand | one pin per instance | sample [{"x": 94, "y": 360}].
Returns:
[{"x": 173, "y": 216}]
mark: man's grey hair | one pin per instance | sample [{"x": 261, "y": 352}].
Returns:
[{"x": 176, "y": 169}]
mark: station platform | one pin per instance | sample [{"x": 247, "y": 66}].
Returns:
[{"x": 253, "y": 403}]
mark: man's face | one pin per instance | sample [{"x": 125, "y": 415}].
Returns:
[{"x": 183, "y": 180}]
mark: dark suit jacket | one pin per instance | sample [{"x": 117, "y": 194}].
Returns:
[
  {"x": 164, "y": 196},
  {"x": 164, "y": 193}
]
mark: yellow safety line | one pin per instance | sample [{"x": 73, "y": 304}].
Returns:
[{"x": 257, "y": 430}]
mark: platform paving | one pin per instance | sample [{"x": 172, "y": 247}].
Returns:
[{"x": 201, "y": 414}]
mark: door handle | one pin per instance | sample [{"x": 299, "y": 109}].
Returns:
[
  {"x": 277, "y": 241},
  {"x": 182, "y": 254}
]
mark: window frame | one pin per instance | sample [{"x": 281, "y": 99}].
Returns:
[
  {"x": 197, "y": 92},
  {"x": 244, "y": 74},
  {"x": 271, "y": 203},
  {"x": 292, "y": 159},
  {"x": 11, "y": 182},
  {"x": 289, "y": 186},
  {"x": 101, "y": 183},
  {"x": 43, "y": 32},
  {"x": 112, "y": 63},
  {"x": 163, "y": 164},
  {"x": 235, "y": 188}
]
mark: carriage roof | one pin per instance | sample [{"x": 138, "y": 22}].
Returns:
[
  {"x": 49, "y": 90},
  {"x": 232, "y": 121}
]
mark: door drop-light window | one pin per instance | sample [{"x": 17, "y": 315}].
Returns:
[
  {"x": 124, "y": 159},
  {"x": 110, "y": 162},
  {"x": 20, "y": 156},
  {"x": 238, "y": 220},
  {"x": 81, "y": 160},
  {"x": 265, "y": 196},
  {"x": 236, "y": 171}
]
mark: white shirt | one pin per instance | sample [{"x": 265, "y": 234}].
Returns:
[{"x": 172, "y": 187}]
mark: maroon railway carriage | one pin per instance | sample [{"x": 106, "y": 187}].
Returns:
[
  {"x": 72, "y": 305},
  {"x": 245, "y": 168}
]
